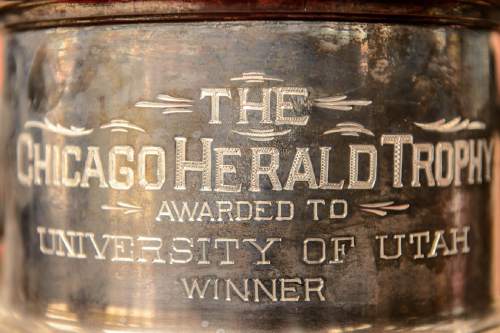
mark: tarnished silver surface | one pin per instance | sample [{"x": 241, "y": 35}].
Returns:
[{"x": 307, "y": 176}]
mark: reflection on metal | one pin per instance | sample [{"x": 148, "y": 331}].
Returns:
[{"x": 454, "y": 125}]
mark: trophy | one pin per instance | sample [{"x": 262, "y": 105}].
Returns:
[{"x": 249, "y": 166}]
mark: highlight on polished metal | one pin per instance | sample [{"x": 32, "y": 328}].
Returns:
[{"x": 231, "y": 167}]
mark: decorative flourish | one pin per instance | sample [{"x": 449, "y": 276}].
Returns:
[
  {"x": 381, "y": 208},
  {"x": 169, "y": 104},
  {"x": 124, "y": 207},
  {"x": 349, "y": 129},
  {"x": 122, "y": 125},
  {"x": 57, "y": 128},
  {"x": 262, "y": 135},
  {"x": 340, "y": 103},
  {"x": 454, "y": 125},
  {"x": 255, "y": 77}
]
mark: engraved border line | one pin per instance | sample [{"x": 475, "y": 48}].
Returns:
[
  {"x": 339, "y": 103},
  {"x": 381, "y": 208},
  {"x": 169, "y": 104},
  {"x": 124, "y": 207},
  {"x": 57, "y": 128},
  {"x": 454, "y": 125},
  {"x": 262, "y": 135},
  {"x": 349, "y": 129},
  {"x": 121, "y": 125},
  {"x": 255, "y": 77}
]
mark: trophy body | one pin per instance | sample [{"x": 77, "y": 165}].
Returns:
[{"x": 239, "y": 174}]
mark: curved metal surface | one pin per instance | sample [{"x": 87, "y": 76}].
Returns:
[{"x": 309, "y": 176}]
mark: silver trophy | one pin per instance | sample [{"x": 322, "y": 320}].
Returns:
[{"x": 241, "y": 166}]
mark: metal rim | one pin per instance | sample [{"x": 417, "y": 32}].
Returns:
[{"x": 37, "y": 14}]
